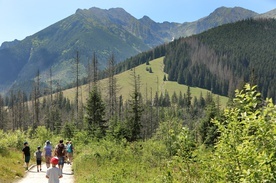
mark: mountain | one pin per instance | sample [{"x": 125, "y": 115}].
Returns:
[
  {"x": 269, "y": 14},
  {"x": 55, "y": 47},
  {"x": 89, "y": 31},
  {"x": 222, "y": 16}
]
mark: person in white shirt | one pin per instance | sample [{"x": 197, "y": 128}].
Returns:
[{"x": 54, "y": 173}]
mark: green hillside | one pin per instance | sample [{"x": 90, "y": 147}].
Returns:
[
  {"x": 221, "y": 59},
  {"x": 224, "y": 58},
  {"x": 150, "y": 82}
]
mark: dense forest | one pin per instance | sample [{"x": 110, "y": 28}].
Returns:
[
  {"x": 223, "y": 58},
  {"x": 220, "y": 59}
]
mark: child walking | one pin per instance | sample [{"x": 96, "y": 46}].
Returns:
[
  {"x": 38, "y": 155},
  {"x": 53, "y": 173},
  {"x": 26, "y": 154}
]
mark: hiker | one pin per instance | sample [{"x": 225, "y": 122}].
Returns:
[
  {"x": 38, "y": 155},
  {"x": 66, "y": 153},
  {"x": 26, "y": 154},
  {"x": 70, "y": 150},
  {"x": 53, "y": 174},
  {"x": 60, "y": 153},
  {"x": 48, "y": 153}
]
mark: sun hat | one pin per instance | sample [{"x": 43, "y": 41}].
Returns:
[{"x": 54, "y": 160}]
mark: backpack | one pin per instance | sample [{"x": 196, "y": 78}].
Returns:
[
  {"x": 60, "y": 150},
  {"x": 69, "y": 148}
]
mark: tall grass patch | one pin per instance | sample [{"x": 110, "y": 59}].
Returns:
[
  {"x": 109, "y": 161},
  {"x": 11, "y": 160}
]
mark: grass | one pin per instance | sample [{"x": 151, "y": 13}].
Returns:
[
  {"x": 120, "y": 163},
  {"x": 12, "y": 166},
  {"x": 150, "y": 83}
]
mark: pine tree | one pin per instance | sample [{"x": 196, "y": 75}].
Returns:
[
  {"x": 95, "y": 111},
  {"x": 136, "y": 109},
  {"x": 77, "y": 88},
  {"x": 36, "y": 103},
  {"x": 164, "y": 78},
  {"x": 174, "y": 98},
  {"x": 189, "y": 97}
]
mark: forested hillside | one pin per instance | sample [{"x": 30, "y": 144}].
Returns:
[
  {"x": 251, "y": 49},
  {"x": 221, "y": 59}
]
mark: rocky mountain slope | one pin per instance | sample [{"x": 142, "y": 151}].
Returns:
[{"x": 98, "y": 31}]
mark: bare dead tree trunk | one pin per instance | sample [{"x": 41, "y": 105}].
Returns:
[
  {"x": 94, "y": 69},
  {"x": 77, "y": 89},
  {"x": 51, "y": 87},
  {"x": 36, "y": 101},
  {"x": 3, "y": 118},
  {"x": 89, "y": 75},
  {"x": 112, "y": 88},
  {"x": 12, "y": 108}
]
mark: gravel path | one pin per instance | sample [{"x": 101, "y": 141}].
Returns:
[{"x": 32, "y": 176}]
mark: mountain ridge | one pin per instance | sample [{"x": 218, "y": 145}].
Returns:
[{"x": 92, "y": 30}]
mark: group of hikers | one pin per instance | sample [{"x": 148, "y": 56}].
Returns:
[{"x": 62, "y": 153}]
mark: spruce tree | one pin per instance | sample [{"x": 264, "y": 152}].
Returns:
[
  {"x": 136, "y": 109},
  {"x": 95, "y": 111}
]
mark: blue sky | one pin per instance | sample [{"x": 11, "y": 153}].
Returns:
[{"x": 21, "y": 18}]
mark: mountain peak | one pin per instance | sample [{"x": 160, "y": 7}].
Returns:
[
  {"x": 233, "y": 12},
  {"x": 146, "y": 19},
  {"x": 224, "y": 15}
]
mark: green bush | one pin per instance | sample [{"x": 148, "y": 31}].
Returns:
[
  {"x": 246, "y": 148},
  {"x": 3, "y": 149}
]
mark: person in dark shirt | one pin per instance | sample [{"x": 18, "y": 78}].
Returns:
[
  {"x": 26, "y": 154},
  {"x": 60, "y": 153}
]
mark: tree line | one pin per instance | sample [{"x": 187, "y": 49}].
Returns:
[
  {"x": 104, "y": 112},
  {"x": 209, "y": 144}
]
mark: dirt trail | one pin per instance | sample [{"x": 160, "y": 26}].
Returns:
[{"x": 32, "y": 176}]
